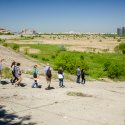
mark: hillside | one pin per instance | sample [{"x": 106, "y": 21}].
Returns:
[{"x": 102, "y": 103}]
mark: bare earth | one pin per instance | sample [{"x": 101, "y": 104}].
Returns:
[
  {"x": 106, "y": 106},
  {"x": 84, "y": 44}
]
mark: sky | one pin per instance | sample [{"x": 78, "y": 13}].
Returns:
[{"x": 100, "y": 16}]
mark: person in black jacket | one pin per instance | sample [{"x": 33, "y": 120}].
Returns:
[{"x": 83, "y": 76}]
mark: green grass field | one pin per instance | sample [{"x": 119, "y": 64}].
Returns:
[{"x": 96, "y": 65}]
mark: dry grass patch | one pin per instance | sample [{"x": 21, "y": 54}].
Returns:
[
  {"x": 78, "y": 94},
  {"x": 28, "y": 50},
  {"x": 34, "y": 51}
]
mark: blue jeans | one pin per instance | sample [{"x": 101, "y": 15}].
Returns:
[
  {"x": 60, "y": 82},
  {"x": 78, "y": 79},
  {"x": 35, "y": 84}
]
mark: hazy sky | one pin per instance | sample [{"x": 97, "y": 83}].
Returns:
[{"x": 63, "y": 15}]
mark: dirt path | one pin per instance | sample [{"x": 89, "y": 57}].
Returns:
[
  {"x": 9, "y": 55},
  {"x": 54, "y": 107}
]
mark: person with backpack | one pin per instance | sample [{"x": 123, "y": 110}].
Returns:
[
  {"x": 18, "y": 75},
  {"x": 60, "y": 77},
  {"x": 48, "y": 77},
  {"x": 83, "y": 76},
  {"x": 13, "y": 67},
  {"x": 46, "y": 68},
  {"x": 78, "y": 73},
  {"x": 35, "y": 76}
]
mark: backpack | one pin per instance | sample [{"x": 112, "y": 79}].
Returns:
[
  {"x": 14, "y": 69},
  {"x": 48, "y": 73}
]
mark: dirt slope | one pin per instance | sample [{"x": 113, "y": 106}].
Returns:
[{"x": 28, "y": 106}]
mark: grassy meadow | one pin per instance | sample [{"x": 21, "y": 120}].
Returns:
[{"x": 96, "y": 65}]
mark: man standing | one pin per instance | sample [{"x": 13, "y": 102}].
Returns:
[
  {"x": 48, "y": 74},
  {"x": 48, "y": 78},
  {"x": 78, "y": 73}
]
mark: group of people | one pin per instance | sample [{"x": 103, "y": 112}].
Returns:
[
  {"x": 16, "y": 72},
  {"x": 80, "y": 75},
  {"x": 48, "y": 75},
  {"x": 16, "y": 75}
]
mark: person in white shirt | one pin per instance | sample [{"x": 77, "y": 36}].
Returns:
[{"x": 60, "y": 77}]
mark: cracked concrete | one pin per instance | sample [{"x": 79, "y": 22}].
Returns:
[{"x": 55, "y": 107}]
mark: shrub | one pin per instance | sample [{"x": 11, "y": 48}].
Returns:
[
  {"x": 121, "y": 47},
  {"x": 2, "y": 41},
  {"x": 69, "y": 62},
  {"x": 5, "y": 44},
  {"x": 53, "y": 56},
  {"x": 45, "y": 59},
  {"x": 16, "y": 47},
  {"x": 82, "y": 57},
  {"x": 62, "y": 48},
  {"x": 26, "y": 50},
  {"x": 118, "y": 40},
  {"x": 106, "y": 65},
  {"x": 34, "y": 56},
  {"x": 115, "y": 71},
  {"x": 6, "y": 73},
  {"x": 100, "y": 40}
]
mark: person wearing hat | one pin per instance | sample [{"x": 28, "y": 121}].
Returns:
[{"x": 35, "y": 76}]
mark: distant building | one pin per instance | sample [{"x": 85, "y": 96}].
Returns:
[
  {"x": 2, "y": 30},
  {"x": 28, "y": 32},
  {"x": 121, "y": 31}
]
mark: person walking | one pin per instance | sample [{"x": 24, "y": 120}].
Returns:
[
  {"x": 13, "y": 67},
  {"x": 83, "y": 76},
  {"x": 18, "y": 75},
  {"x": 60, "y": 77},
  {"x": 35, "y": 76},
  {"x": 78, "y": 73},
  {"x": 48, "y": 75},
  {"x": 46, "y": 68}
]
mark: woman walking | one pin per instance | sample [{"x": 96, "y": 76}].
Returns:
[
  {"x": 35, "y": 76},
  {"x": 60, "y": 77},
  {"x": 18, "y": 75}
]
